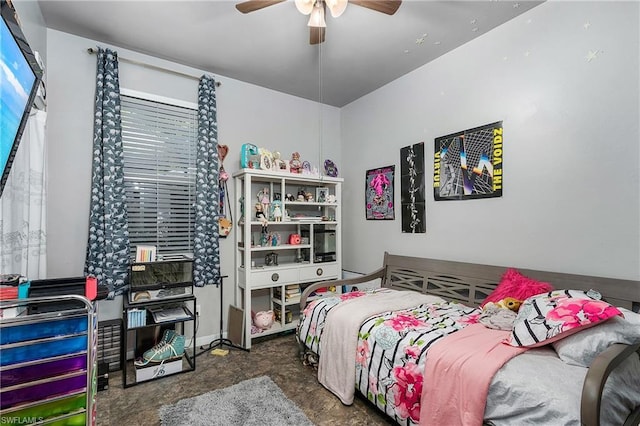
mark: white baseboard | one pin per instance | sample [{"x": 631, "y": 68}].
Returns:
[{"x": 205, "y": 340}]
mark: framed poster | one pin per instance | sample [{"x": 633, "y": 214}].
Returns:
[
  {"x": 379, "y": 193},
  {"x": 412, "y": 188},
  {"x": 468, "y": 164}
]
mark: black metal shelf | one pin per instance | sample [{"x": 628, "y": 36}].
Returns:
[{"x": 188, "y": 359}]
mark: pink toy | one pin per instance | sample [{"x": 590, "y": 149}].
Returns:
[
  {"x": 263, "y": 319},
  {"x": 263, "y": 198}
]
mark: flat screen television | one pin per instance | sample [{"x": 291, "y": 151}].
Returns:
[{"x": 20, "y": 76}]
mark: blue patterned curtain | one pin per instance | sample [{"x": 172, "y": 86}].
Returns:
[
  {"x": 108, "y": 245},
  {"x": 206, "y": 253}
]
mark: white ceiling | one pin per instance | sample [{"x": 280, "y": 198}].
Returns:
[{"x": 363, "y": 51}]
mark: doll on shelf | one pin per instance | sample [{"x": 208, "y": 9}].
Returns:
[
  {"x": 295, "y": 165},
  {"x": 263, "y": 198},
  {"x": 262, "y": 217},
  {"x": 277, "y": 210}
]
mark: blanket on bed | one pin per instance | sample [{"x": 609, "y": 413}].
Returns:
[
  {"x": 458, "y": 372},
  {"x": 337, "y": 366}
]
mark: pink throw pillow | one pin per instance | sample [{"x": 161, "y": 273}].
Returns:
[{"x": 517, "y": 286}]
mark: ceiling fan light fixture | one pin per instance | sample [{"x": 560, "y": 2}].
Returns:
[
  {"x": 304, "y": 6},
  {"x": 317, "y": 17},
  {"x": 336, "y": 7}
]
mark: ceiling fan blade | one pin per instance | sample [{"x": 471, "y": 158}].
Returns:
[
  {"x": 385, "y": 6},
  {"x": 253, "y": 5},
  {"x": 316, "y": 35}
]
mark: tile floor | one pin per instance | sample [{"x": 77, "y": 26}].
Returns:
[{"x": 276, "y": 357}]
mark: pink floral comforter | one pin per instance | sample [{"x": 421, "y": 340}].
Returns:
[{"x": 391, "y": 349}]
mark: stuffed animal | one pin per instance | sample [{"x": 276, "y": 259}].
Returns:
[
  {"x": 508, "y": 303},
  {"x": 500, "y": 315},
  {"x": 224, "y": 226},
  {"x": 263, "y": 319}
]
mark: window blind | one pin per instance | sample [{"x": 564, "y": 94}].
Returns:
[{"x": 159, "y": 143}]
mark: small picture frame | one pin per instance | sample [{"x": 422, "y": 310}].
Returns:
[
  {"x": 281, "y": 165},
  {"x": 266, "y": 163},
  {"x": 322, "y": 195}
]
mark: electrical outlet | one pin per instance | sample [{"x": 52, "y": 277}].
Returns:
[{"x": 197, "y": 310}]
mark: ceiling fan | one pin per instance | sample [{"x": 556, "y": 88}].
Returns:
[{"x": 317, "y": 8}]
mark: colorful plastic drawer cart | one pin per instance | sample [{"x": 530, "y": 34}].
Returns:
[{"x": 47, "y": 365}]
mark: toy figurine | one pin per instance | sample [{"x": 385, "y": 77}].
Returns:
[
  {"x": 330, "y": 168},
  {"x": 295, "y": 166},
  {"x": 277, "y": 211},
  {"x": 263, "y": 198},
  {"x": 260, "y": 215}
]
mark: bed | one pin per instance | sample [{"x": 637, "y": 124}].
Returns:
[{"x": 395, "y": 347}]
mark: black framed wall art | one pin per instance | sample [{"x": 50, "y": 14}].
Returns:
[
  {"x": 379, "y": 193},
  {"x": 468, "y": 165},
  {"x": 412, "y": 189}
]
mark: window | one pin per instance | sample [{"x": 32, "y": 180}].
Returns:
[{"x": 159, "y": 140}]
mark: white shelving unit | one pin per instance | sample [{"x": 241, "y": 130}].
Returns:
[{"x": 269, "y": 263}]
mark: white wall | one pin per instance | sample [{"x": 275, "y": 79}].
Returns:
[
  {"x": 571, "y": 181},
  {"x": 571, "y": 195},
  {"x": 246, "y": 113}
]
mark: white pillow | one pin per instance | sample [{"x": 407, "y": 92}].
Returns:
[{"x": 583, "y": 347}]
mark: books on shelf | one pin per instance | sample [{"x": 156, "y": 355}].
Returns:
[
  {"x": 287, "y": 297},
  {"x": 145, "y": 253},
  {"x": 291, "y": 293}
]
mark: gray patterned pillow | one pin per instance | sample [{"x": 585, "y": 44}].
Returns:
[{"x": 583, "y": 347}]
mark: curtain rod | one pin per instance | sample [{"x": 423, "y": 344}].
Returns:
[{"x": 92, "y": 51}]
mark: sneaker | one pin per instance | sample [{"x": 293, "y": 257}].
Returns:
[
  {"x": 166, "y": 350},
  {"x": 168, "y": 335}
]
